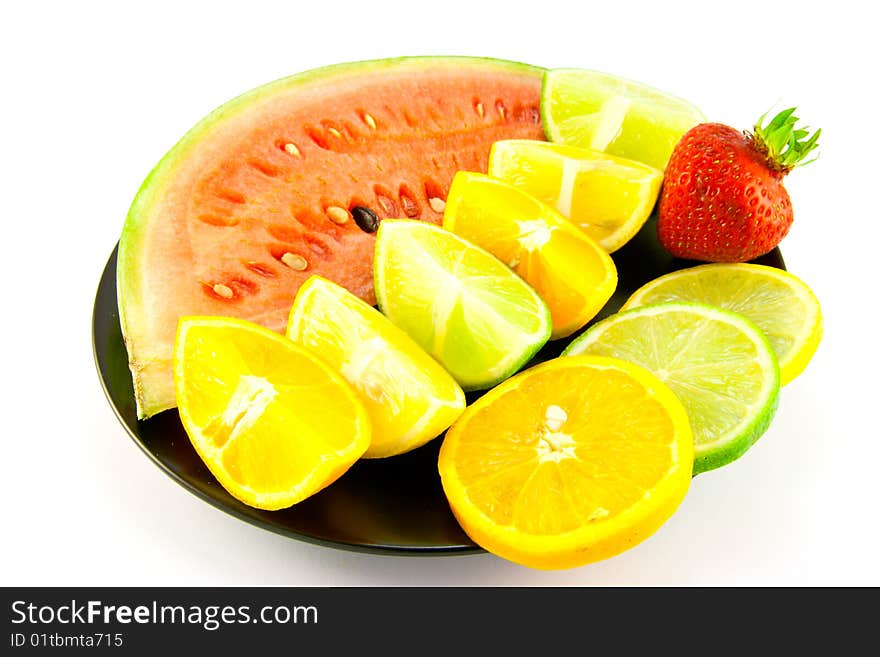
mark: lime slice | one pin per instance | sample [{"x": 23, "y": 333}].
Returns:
[
  {"x": 409, "y": 397},
  {"x": 718, "y": 363},
  {"x": 463, "y": 306},
  {"x": 778, "y": 302},
  {"x": 607, "y": 113},
  {"x": 573, "y": 275},
  {"x": 607, "y": 197}
]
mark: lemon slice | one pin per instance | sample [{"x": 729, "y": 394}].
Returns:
[
  {"x": 462, "y": 305},
  {"x": 778, "y": 302},
  {"x": 572, "y": 273},
  {"x": 608, "y": 197},
  {"x": 554, "y": 469},
  {"x": 718, "y": 363},
  {"x": 617, "y": 116},
  {"x": 409, "y": 397},
  {"x": 273, "y": 423}
]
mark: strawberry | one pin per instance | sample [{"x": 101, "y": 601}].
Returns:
[{"x": 722, "y": 197}]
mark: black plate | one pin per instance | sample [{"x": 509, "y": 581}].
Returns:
[{"x": 394, "y": 505}]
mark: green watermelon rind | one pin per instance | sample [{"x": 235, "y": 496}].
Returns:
[{"x": 131, "y": 312}]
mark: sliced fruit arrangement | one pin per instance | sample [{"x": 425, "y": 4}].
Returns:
[
  {"x": 718, "y": 363},
  {"x": 409, "y": 397},
  {"x": 608, "y": 113},
  {"x": 777, "y": 301},
  {"x": 463, "y": 306},
  {"x": 573, "y": 274},
  {"x": 552, "y": 469},
  {"x": 723, "y": 199},
  {"x": 302, "y": 202},
  {"x": 272, "y": 422},
  {"x": 608, "y": 197},
  {"x": 290, "y": 180}
]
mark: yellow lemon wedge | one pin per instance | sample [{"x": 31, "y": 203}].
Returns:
[
  {"x": 272, "y": 422},
  {"x": 571, "y": 273},
  {"x": 609, "y": 198},
  {"x": 409, "y": 397}
]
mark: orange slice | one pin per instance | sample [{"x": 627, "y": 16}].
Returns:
[
  {"x": 572, "y": 274},
  {"x": 572, "y": 461},
  {"x": 273, "y": 423}
]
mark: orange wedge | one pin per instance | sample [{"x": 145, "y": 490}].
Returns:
[
  {"x": 273, "y": 423},
  {"x": 572, "y": 461},
  {"x": 572, "y": 274}
]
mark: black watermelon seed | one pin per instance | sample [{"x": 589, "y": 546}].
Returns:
[{"x": 365, "y": 218}]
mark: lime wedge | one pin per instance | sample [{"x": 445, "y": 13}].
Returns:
[
  {"x": 718, "y": 363},
  {"x": 409, "y": 397},
  {"x": 607, "y": 197},
  {"x": 778, "y": 302},
  {"x": 465, "y": 307},
  {"x": 607, "y": 113}
]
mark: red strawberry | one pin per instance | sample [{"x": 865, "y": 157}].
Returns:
[{"x": 722, "y": 197}]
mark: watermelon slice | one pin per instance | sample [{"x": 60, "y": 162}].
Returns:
[{"x": 289, "y": 179}]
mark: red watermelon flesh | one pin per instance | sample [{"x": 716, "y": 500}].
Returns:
[{"x": 257, "y": 197}]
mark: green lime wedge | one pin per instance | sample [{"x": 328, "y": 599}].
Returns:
[
  {"x": 463, "y": 306},
  {"x": 617, "y": 116},
  {"x": 718, "y": 363}
]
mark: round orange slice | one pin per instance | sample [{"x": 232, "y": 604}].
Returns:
[
  {"x": 572, "y": 461},
  {"x": 272, "y": 422}
]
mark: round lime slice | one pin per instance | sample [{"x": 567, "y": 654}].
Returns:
[
  {"x": 465, "y": 307},
  {"x": 778, "y": 302},
  {"x": 617, "y": 116},
  {"x": 718, "y": 363}
]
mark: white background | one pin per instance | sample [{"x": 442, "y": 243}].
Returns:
[{"x": 93, "y": 94}]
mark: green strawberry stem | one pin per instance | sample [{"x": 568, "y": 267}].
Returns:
[{"x": 784, "y": 146}]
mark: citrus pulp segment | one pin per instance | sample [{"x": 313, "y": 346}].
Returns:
[
  {"x": 409, "y": 397},
  {"x": 572, "y": 273},
  {"x": 569, "y": 462},
  {"x": 608, "y": 197},
  {"x": 778, "y": 302},
  {"x": 718, "y": 363},
  {"x": 462, "y": 305},
  {"x": 607, "y": 113},
  {"x": 272, "y": 423}
]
